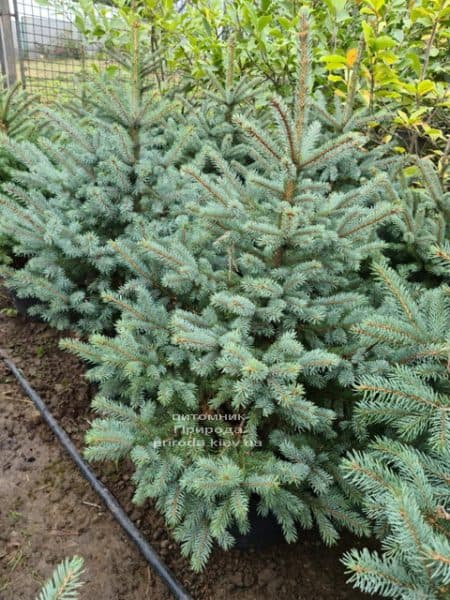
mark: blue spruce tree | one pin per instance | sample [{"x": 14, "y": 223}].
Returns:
[
  {"x": 105, "y": 175},
  {"x": 230, "y": 373},
  {"x": 403, "y": 476}
]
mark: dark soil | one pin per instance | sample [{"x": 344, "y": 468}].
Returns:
[{"x": 48, "y": 511}]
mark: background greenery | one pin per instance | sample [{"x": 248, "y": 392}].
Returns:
[{"x": 404, "y": 67}]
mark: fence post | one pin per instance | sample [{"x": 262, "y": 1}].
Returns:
[{"x": 7, "y": 46}]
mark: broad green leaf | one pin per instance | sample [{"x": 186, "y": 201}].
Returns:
[
  {"x": 420, "y": 13},
  {"x": 425, "y": 87},
  {"x": 263, "y": 22},
  {"x": 335, "y": 58},
  {"x": 286, "y": 23},
  {"x": 419, "y": 112},
  {"x": 335, "y": 78},
  {"x": 432, "y": 132},
  {"x": 367, "y": 31},
  {"x": 388, "y": 57},
  {"x": 79, "y": 23},
  {"x": 384, "y": 41}
]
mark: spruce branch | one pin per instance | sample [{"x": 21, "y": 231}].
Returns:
[
  {"x": 397, "y": 289},
  {"x": 332, "y": 149},
  {"x": 65, "y": 581},
  {"x": 287, "y": 126},
  {"x": 303, "y": 80},
  {"x": 231, "y": 47},
  {"x": 258, "y": 135}
]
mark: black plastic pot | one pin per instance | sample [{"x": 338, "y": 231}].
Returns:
[
  {"x": 264, "y": 531},
  {"x": 23, "y": 304}
]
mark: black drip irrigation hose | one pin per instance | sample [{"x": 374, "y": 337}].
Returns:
[{"x": 102, "y": 491}]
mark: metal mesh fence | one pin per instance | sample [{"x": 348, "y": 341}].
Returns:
[{"x": 50, "y": 54}]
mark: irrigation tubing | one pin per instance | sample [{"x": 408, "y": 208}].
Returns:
[{"x": 107, "y": 498}]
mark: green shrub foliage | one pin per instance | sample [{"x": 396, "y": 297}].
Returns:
[
  {"x": 230, "y": 370},
  {"x": 403, "y": 477},
  {"x": 106, "y": 174}
]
